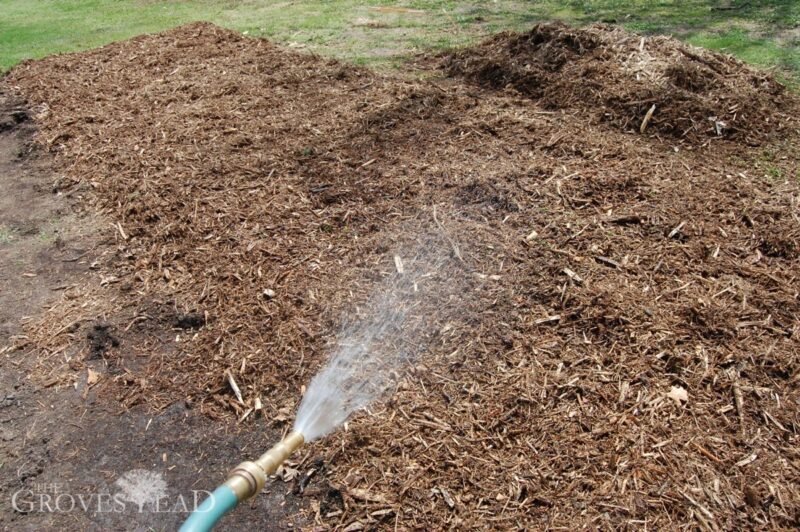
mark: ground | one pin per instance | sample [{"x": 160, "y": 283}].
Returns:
[
  {"x": 383, "y": 34},
  {"x": 65, "y": 441},
  {"x": 608, "y": 337}
]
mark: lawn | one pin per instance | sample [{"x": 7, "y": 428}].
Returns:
[{"x": 382, "y": 33}]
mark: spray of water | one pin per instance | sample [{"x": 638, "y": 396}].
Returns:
[{"x": 372, "y": 350}]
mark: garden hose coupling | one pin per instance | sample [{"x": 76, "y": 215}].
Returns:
[{"x": 248, "y": 478}]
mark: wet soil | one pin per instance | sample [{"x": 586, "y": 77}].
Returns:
[{"x": 60, "y": 444}]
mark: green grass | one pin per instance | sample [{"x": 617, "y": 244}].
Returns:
[
  {"x": 774, "y": 163},
  {"x": 376, "y": 33},
  {"x": 6, "y": 235}
]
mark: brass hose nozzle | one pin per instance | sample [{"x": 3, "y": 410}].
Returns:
[{"x": 248, "y": 478}]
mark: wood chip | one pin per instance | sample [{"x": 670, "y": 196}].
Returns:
[
  {"x": 92, "y": 377},
  {"x": 122, "y": 232},
  {"x": 366, "y": 495},
  {"x": 234, "y": 387},
  {"x": 678, "y": 394},
  {"x": 747, "y": 460},
  {"x": 448, "y": 499},
  {"x": 607, "y": 261},
  {"x": 572, "y": 275},
  {"x": 676, "y": 230},
  {"x": 647, "y": 118}
]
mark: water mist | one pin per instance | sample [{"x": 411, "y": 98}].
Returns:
[{"x": 370, "y": 354}]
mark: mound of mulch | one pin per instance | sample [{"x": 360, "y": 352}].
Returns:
[
  {"x": 611, "y": 337},
  {"x": 610, "y": 75}
]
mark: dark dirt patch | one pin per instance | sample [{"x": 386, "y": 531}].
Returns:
[
  {"x": 100, "y": 339},
  {"x": 610, "y": 75},
  {"x": 12, "y": 117},
  {"x": 192, "y": 320},
  {"x": 776, "y": 246},
  {"x": 599, "y": 270}
]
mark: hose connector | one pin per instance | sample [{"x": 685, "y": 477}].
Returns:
[
  {"x": 248, "y": 478},
  {"x": 245, "y": 481}
]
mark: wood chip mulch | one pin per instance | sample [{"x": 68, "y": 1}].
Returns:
[{"x": 617, "y": 344}]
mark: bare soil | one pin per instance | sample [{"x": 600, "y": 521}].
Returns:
[
  {"x": 66, "y": 441},
  {"x": 619, "y": 343}
]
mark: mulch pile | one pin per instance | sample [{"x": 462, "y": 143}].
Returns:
[
  {"x": 615, "y": 337},
  {"x": 610, "y": 75}
]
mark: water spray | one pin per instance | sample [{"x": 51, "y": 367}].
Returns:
[{"x": 364, "y": 364}]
